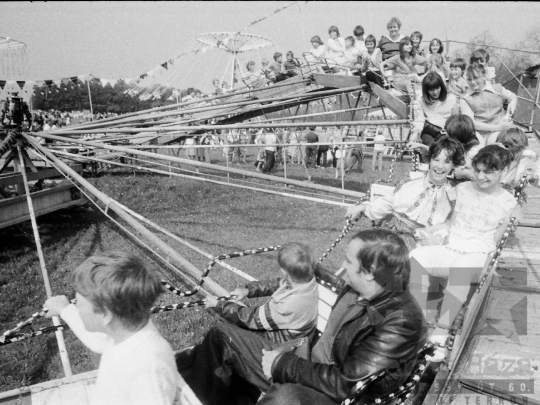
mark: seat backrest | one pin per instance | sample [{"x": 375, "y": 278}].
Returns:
[{"x": 327, "y": 299}]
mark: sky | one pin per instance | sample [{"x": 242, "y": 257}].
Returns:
[{"x": 126, "y": 39}]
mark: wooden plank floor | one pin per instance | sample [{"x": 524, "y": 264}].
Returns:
[{"x": 504, "y": 352}]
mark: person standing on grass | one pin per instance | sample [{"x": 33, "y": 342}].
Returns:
[
  {"x": 270, "y": 150},
  {"x": 354, "y": 154},
  {"x": 378, "y": 149},
  {"x": 115, "y": 292},
  {"x": 323, "y": 149},
  {"x": 311, "y": 150}
]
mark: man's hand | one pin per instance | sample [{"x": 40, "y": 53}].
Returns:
[
  {"x": 210, "y": 302},
  {"x": 267, "y": 361},
  {"x": 240, "y": 293},
  {"x": 55, "y": 305},
  {"x": 355, "y": 210}
]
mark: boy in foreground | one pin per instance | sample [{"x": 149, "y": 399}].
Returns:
[
  {"x": 291, "y": 311},
  {"x": 115, "y": 292}
]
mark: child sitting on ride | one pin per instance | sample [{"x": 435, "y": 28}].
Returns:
[
  {"x": 436, "y": 64},
  {"x": 424, "y": 201},
  {"x": 523, "y": 163},
  {"x": 457, "y": 83},
  {"x": 291, "y": 310},
  {"x": 436, "y": 46},
  {"x": 335, "y": 49},
  {"x": 434, "y": 107},
  {"x": 485, "y": 104},
  {"x": 291, "y": 65},
  {"x": 269, "y": 73},
  {"x": 403, "y": 64},
  {"x": 481, "y": 215},
  {"x": 416, "y": 38},
  {"x": 481, "y": 57},
  {"x": 359, "y": 42},
  {"x": 350, "y": 54},
  {"x": 252, "y": 78},
  {"x": 115, "y": 292},
  {"x": 371, "y": 61},
  {"x": 277, "y": 68}
]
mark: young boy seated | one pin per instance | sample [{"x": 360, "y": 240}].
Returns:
[
  {"x": 115, "y": 292},
  {"x": 457, "y": 83},
  {"x": 277, "y": 68},
  {"x": 291, "y": 65},
  {"x": 291, "y": 311}
]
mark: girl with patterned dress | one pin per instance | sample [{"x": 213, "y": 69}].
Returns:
[
  {"x": 418, "y": 203},
  {"x": 481, "y": 215}
]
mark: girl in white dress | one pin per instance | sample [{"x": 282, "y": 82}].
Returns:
[
  {"x": 420, "y": 202},
  {"x": 481, "y": 214}
]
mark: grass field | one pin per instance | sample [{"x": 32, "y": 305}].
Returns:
[{"x": 216, "y": 218}]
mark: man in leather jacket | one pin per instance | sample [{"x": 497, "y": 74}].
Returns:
[{"x": 375, "y": 325}]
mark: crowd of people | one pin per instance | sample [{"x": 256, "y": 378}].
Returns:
[
  {"x": 53, "y": 119},
  {"x": 449, "y": 218}
]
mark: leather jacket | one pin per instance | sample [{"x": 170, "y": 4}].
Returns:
[{"x": 386, "y": 334}]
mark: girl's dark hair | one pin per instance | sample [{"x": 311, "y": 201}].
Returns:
[
  {"x": 358, "y": 31},
  {"x": 370, "y": 38},
  {"x": 317, "y": 39},
  {"x": 461, "y": 128},
  {"x": 333, "y": 28},
  {"x": 385, "y": 255},
  {"x": 441, "y": 46},
  {"x": 479, "y": 54},
  {"x": 433, "y": 81},
  {"x": 493, "y": 157},
  {"x": 350, "y": 38},
  {"x": 514, "y": 139},
  {"x": 405, "y": 41},
  {"x": 453, "y": 148}
]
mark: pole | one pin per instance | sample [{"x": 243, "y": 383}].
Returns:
[
  {"x": 186, "y": 128},
  {"x": 536, "y": 101},
  {"x": 90, "y": 98},
  {"x": 210, "y": 166},
  {"x": 112, "y": 205},
  {"x": 343, "y": 167},
  {"x": 284, "y": 161},
  {"x": 227, "y": 157},
  {"x": 233, "y": 68},
  {"x": 59, "y": 336},
  {"x": 203, "y": 179},
  {"x": 232, "y": 105},
  {"x": 106, "y": 121}
]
